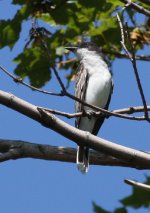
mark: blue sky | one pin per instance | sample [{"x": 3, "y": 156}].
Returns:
[{"x": 46, "y": 186}]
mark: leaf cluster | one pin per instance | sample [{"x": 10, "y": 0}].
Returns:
[
  {"x": 56, "y": 23},
  {"x": 138, "y": 199}
]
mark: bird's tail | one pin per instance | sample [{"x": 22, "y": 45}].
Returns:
[{"x": 83, "y": 159}]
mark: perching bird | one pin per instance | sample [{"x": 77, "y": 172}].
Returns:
[{"x": 93, "y": 86}]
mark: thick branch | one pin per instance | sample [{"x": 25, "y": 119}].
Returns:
[
  {"x": 138, "y": 158},
  {"x": 15, "y": 149}
]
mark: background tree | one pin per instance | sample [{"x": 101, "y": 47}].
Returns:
[{"x": 36, "y": 34}]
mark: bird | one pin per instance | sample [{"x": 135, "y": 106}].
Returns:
[{"x": 93, "y": 85}]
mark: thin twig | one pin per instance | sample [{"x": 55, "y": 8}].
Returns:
[
  {"x": 59, "y": 80},
  {"x": 89, "y": 105},
  {"x": 116, "y": 54},
  {"x": 65, "y": 93},
  {"x": 106, "y": 112},
  {"x": 146, "y": 2},
  {"x": 137, "y": 7},
  {"x": 137, "y": 184},
  {"x": 121, "y": 28},
  {"x": 133, "y": 60},
  {"x": 20, "y": 81},
  {"x": 125, "y": 56},
  {"x": 129, "y": 110}
]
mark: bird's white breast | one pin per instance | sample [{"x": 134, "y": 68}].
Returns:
[
  {"x": 99, "y": 84},
  {"x": 98, "y": 87}
]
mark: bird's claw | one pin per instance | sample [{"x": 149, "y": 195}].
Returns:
[{"x": 90, "y": 113}]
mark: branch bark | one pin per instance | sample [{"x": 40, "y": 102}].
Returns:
[
  {"x": 138, "y": 158},
  {"x": 129, "y": 110},
  {"x": 16, "y": 149}
]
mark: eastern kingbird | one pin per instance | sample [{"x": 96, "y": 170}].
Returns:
[{"x": 93, "y": 86}]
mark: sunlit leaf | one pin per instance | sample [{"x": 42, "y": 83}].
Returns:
[{"x": 60, "y": 51}]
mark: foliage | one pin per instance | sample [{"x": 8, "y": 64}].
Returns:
[
  {"x": 57, "y": 23},
  {"x": 98, "y": 209},
  {"x": 29, "y": 64},
  {"x": 138, "y": 199}
]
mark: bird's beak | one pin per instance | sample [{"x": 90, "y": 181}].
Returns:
[{"x": 71, "y": 48}]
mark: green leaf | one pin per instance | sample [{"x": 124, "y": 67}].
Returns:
[
  {"x": 138, "y": 198},
  {"x": 60, "y": 19},
  {"x": 98, "y": 209},
  {"x": 9, "y": 33},
  {"x": 93, "y": 3},
  {"x": 10, "y": 30},
  {"x": 47, "y": 18},
  {"x": 116, "y": 3},
  {"x": 120, "y": 210},
  {"x": 34, "y": 64},
  {"x": 21, "y": 2}
]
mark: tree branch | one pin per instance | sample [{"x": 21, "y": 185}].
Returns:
[
  {"x": 146, "y": 1},
  {"x": 16, "y": 149},
  {"x": 133, "y": 61},
  {"x": 137, "y": 184},
  {"x": 20, "y": 81},
  {"x": 104, "y": 111},
  {"x": 136, "y": 7},
  {"x": 67, "y": 94},
  {"x": 109, "y": 52},
  {"x": 138, "y": 158},
  {"x": 125, "y": 56},
  {"x": 129, "y": 110}
]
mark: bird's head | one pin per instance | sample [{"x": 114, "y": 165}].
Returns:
[{"x": 84, "y": 49}]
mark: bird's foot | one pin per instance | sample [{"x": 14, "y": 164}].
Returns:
[{"x": 90, "y": 113}]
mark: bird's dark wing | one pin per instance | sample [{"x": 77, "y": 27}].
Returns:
[
  {"x": 80, "y": 89},
  {"x": 100, "y": 120}
]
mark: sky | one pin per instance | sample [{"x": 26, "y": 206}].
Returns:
[{"x": 30, "y": 185}]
